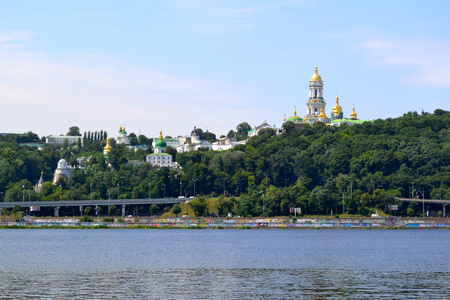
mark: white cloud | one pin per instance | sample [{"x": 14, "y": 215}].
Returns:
[
  {"x": 428, "y": 58},
  {"x": 47, "y": 95}
]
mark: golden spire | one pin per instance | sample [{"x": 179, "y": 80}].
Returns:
[
  {"x": 321, "y": 115},
  {"x": 284, "y": 118},
  {"x": 353, "y": 115},
  {"x": 120, "y": 128},
  {"x": 316, "y": 76},
  {"x": 160, "y": 135},
  {"x": 295, "y": 111}
]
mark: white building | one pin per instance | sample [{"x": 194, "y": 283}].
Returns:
[
  {"x": 226, "y": 144},
  {"x": 62, "y": 171},
  {"x": 59, "y": 139},
  {"x": 256, "y": 129},
  {"x": 159, "y": 158},
  {"x": 122, "y": 138},
  {"x": 193, "y": 143}
]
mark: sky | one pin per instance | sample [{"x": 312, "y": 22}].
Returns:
[{"x": 172, "y": 65}]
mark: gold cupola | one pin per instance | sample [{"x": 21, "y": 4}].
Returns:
[
  {"x": 321, "y": 115},
  {"x": 107, "y": 148},
  {"x": 316, "y": 76},
  {"x": 337, "y": 108},
  {"x": 353, "y": 115}
]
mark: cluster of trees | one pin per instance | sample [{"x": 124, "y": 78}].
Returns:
[{"x": 318, "y": 168}]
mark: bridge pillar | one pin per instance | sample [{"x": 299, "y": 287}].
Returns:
[
  {"x": 123, "y": 210},
  {"x": 443, "y": 206},
  {"x": 81, "y": 210},
  {"x": 56, "y": 211}
]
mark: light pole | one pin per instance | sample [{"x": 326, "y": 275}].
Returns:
[
  {"x": 194, "y": 185},
  {"x": 60, "y": 192},
  {"x": 423, "y": 201},
  {"x": 91, "y": 193},
  {"x": 149, "y": 189},
  {"x": 118, "y": 191},
  {"x": 181, "y": 187},
  {"x": 109, "y": 201},
  {"x": 23, "y": 193},
  {"x": 264, "y": 195},
  {"x": 224, "y": 179}
]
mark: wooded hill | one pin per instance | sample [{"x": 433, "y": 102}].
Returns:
[{"x": 314, "y": 168}]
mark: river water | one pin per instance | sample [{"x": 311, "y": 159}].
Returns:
[{"x": 224, "y": 264}]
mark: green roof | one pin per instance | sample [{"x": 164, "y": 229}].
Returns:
[{"x": 163, "y": 154}]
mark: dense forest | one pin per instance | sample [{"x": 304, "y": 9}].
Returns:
[{"x": 318, "y": 168}]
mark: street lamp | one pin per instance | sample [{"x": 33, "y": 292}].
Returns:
[
  {"x": 423, "y": 201},
  {"x": 224, "y": 179},
  {"x": 194, "y": 185},
  {"x": 109, "y": 201},
  {"x": 181, "y": 187},
  {"x": 91, "y": 193},
  {"x": 149, "y": 189},
  {"x": 23, "y": 193},
  {"x": 118, "y": 191}
]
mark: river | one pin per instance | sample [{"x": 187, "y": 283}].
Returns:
[{"x": 224, "y": 264}]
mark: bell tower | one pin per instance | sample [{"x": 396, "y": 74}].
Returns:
[{"x": 316, "y": 103}]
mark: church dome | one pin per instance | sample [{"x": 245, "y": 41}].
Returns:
[
  {"x": 107, "y": 148},
  {"x": 62, "y": 163},
  {"x": 353, "y": 115},
  {"x": 295, "y": 118},
  {"x": 316, "y": 76},
  {"x": 160, "y": 142},
  {"x": 321, "y": 115},
  {"x": 337, "y": 108}
]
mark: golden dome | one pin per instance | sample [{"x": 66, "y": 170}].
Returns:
[
  {"x": 353, "y": 115},
  {"x": 284, "y": 119},
  {"x": 120, "y": 128},
  {"x": 321, "y": 115},
  {"x": 337, "y": 108},
  {"x": 107, "y": 148},
  {"x": 316, "y": 76}
]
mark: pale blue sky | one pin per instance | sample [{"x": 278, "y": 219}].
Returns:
[{"x": 172, "y": 65}]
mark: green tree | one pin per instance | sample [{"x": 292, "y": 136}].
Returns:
[
  {"x": 74, "y": 131},
  {"x": 154, "y": 209},
  {"x": 176, "y": 209},
  {"x": 242, "y": 131}
]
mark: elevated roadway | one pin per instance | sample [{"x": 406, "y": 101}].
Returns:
[
  {"x": 444, "y": 203},
  {"x": 83, "y": 203}
]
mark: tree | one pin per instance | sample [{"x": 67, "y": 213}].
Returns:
[
  {"x": 176, "y": 209},
  {"x": 143, "y": 140},
  {"x": 154, "y": 209},
  {"x": 242, "y": 131},
  {"x": 74, "y": 131},
  {"x": 133, "y": 139}
]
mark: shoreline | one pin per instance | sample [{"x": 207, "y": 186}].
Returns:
[{"x": 389, "y": 223}]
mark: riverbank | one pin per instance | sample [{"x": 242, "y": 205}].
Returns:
[{"x": 233, "y": 223}]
